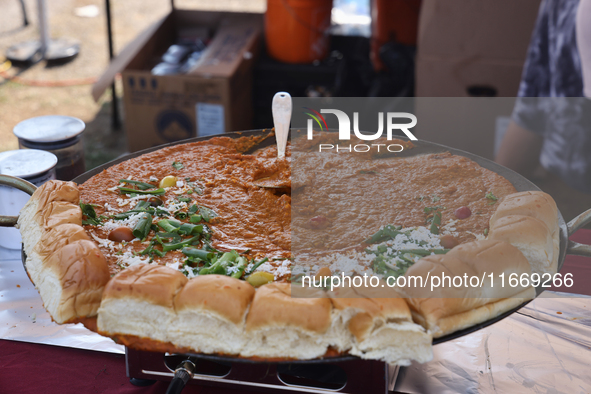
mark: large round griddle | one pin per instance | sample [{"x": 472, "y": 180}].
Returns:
[{"x": 420, "y": 147}]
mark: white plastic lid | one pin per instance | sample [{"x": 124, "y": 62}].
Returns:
[
  {"x": 51, "y": 128},
  {"x": 26, "y": 163}
]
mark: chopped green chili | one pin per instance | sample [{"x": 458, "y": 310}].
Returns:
[
  {"x": 240, "y": 267},
  {"x": 169, "y": 225},
  {"x": 143, "y": 226},
  {"x": 195, "y": 218},
  {"x": 156, "y": 192},
  {"x": 435, "y": 223},
  {"x": 178, "y": 245},
  {"x": 198, "y": 253},
  {"x": 190, "y": 229},
  {"x": 140, "y": 185},
  {"x": 388, "y": 232},
  {"x": 219, "y": 267}
]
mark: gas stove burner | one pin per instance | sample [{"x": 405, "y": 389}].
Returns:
[{"x": 338, "y": 375}]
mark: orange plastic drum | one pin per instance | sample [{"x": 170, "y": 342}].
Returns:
[
  {"x": 297, "y": 30},
  {"x": 393, "y": 20}
]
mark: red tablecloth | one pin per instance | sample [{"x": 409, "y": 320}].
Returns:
[
  {"x": 42, "y": 369},
  {"x": 32, "y": 368}
]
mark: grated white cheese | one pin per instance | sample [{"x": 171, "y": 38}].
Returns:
[
  {"x": 128, "y": 259},
  {"x": 105, "y": 243},
  {"x": 175, "y": 264},
  {"x": 479, "y": 237},
  {"x": 449, "y": 228},
  {"x": 282, "y": 269},
  {"x": 189, "y": 272},
  {"x": 174, "y": 206},
  {"x": 109, "y": 208},
  {"x": 413, "y": 240},
  {"x": 129, "y": 222},
  {"x": 354, "y": 262},
  {"x": 125, "y": 201}
]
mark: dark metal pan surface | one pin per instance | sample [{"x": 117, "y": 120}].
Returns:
[{"x": 421, "y": 147}]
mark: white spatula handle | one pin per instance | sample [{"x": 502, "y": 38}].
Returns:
[{"x": 281, "y": 119}]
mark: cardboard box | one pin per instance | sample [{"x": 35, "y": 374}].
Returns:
[
  {"x": 470, "y": 48},
  {"x": 213, "y": 98},
  {"x": 471, "y": 124},
  {"x": 465, "y": 44}
]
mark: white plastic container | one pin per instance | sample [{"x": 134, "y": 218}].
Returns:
[
  {"x": 58, "y": 134},
  {"x": 35, "y": 166}
]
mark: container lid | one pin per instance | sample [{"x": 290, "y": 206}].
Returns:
[
  {"x": 51, "y": 128},
  {"x": 26, "y": 163}
]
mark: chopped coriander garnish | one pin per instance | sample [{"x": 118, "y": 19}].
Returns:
[
  {"x": 435, "y": 198},
  {"x": 195, "y": 218},
  {"x": 431, "y": 209},
  {"x": 387, "y": 233},
  {"x": 206, "y": 213},
  {"x": 391, "y": 261},
  {"x": 177, "y": 165},
  {"x": 435, "y": 223},
  {"x": 207, "y": 233},
  {"x": 220, "y": 266},
  {"x": 239, "y": 268},
  {"x": 194, "y": 188},
  {"x": 491, "y": 196},
  {"x": 90, "y": 214}
]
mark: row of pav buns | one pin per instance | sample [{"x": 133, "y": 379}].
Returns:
[{"x": 160, "y": 307}]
